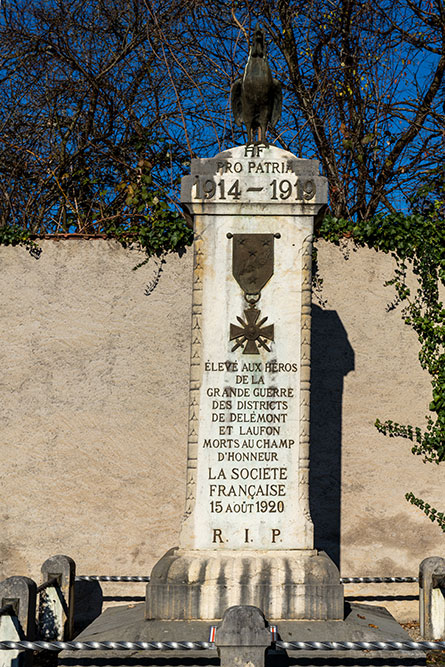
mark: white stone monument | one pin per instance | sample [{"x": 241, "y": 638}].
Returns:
[{"x": 247, "y": 534}]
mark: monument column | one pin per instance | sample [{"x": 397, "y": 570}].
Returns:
[{"x": 247, "y": 534}]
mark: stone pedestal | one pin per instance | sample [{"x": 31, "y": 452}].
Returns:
[
  {"x": 289, "y": 584},
  {"x": 247, "y": 534}
]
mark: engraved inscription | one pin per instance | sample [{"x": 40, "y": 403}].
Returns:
[
  {"x": 248, "y": 446},
  {"x": 231, "y": 189}
]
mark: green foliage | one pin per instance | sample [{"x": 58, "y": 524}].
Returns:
[
  {"x": 416, "y": 241},
  {"x": 15, "y": 235},
  {"x": 148, "y": 221},
  {"x": 430, "y": 512}
]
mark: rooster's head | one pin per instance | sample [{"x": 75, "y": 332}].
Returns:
[{"x": 258, "y": 48}]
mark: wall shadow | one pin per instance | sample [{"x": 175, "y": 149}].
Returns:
[
  {"x": 88, "y": 601},
  {"x": 332, "y": 357}
]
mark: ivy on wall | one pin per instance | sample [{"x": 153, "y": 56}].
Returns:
[
  {"x": 153, "y": 227},
  {"x": 15, "y": 235}
]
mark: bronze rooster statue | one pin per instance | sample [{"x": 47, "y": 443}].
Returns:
[{"x": 256, "y": 98}]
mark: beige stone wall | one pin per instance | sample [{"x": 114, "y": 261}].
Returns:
[{"x": 93, "y": 408}]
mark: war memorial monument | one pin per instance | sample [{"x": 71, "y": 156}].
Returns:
[{"x": 247, "y": 534}]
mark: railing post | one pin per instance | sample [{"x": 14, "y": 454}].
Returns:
[
  {"x": 432, "y": 598},
  {"x": 242, "y": 637},
  {"x": 56, "y": 607},
  {"x": 19, "y": 622}
]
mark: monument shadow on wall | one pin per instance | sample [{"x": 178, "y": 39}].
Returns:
[{"x": 332, "y": 358}]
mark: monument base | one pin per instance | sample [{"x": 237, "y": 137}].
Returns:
[{"x": 202, "y": 584}]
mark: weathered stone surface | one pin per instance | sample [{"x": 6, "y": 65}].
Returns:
[
  {"x": 432, "y": 598},
  {"x": 56, "y": 609},
  {"x": 202, "y": 584},
  {"x": 243, "y": 637},
  {"x": 20, "y": 594}
]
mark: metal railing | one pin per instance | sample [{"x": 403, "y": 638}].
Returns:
[
  {"x": 343, "y": 580},
  {"x": 211, "y": 646}
]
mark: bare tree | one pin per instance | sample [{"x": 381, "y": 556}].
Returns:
[
  {"x": 364, "y": 87},
  {"x": 81, "y": 107},
  {"x": 99, "y": 99}
]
